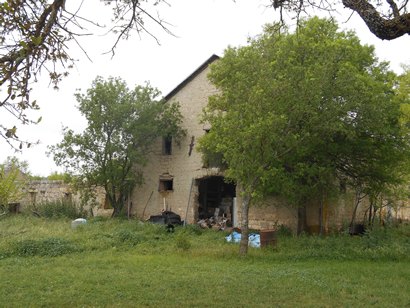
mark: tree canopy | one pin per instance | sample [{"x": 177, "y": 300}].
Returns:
[
  {"x": 299, "y": 113},
  {"x": 122, "y": 126}
]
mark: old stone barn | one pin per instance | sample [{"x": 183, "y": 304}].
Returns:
[{"x": 177, "y": 178}]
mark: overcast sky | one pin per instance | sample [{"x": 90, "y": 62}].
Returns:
[{"x": 201, "y": 28}]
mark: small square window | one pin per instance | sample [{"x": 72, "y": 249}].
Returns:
[
  {"x": 167, "y": 145},
  {"x": 166, "y": 185}
]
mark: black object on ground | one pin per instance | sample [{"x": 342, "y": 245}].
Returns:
[{"x": 166, "y": 218}]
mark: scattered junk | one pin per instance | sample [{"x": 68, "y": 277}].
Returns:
[
  {"x": 268, "y": 238},
  {"x": 166, "y": 218},
  {"x": 215, "y": 203},
  {"x": 78, "y": 222},
  {"x": 215, "y": 223},
  {"x": 254, "y": 239},
  {"x": 265, "y": 238}
]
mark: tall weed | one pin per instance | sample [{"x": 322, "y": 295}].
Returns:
[{"x": 60, "y": 209}]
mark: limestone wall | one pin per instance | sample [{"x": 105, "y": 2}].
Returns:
[
  {"x": 183, "y": 165},
  {"x": 43, "y": 191}
]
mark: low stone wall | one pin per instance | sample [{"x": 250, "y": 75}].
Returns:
[{"x": 43, "y": 191}]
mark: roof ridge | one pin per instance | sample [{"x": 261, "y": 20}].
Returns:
[{"x": 211, "y": 59}]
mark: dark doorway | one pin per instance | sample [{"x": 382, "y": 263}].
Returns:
[{"x": 216, "y": 198}]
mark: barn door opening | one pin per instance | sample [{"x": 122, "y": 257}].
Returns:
[{"x": 216, "y": 198}]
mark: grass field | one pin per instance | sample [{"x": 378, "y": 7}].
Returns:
[{"x": 119, "y": 263}]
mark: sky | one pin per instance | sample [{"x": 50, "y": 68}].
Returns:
[{"x": 200, "y": 28}]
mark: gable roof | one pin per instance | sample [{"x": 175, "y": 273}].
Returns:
[{"x": 190, "y": 77}]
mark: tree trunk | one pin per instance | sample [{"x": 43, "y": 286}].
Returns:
[
  {"x": 301, "y": 219},
  {"x": 116, "y": 200},
  {"x": 374, "y": 215},
  {"x": 358, "y": 200},
  {"x": 115, "y": 212},
  {"x": 370, "y": 214},
  {"x": 321, "y": 227},
  {"x": 243, "y": 247},
  {"x": 117, "y": 205}
]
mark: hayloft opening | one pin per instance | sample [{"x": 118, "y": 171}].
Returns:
[
  {"x": 167, "y": 145},
  {"x": 216, "y": 198}
]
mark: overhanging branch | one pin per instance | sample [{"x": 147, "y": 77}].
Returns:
[{"x": 383, "y": 28}]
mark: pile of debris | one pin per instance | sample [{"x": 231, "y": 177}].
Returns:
[{"x": 216, "y": 223}]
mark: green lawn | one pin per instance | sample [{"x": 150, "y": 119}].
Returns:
[{"x": 129, "y": 264}]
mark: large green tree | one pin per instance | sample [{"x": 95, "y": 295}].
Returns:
[
  {"x": 122, "y": 126},
  {"x": 298, "y": 113}
]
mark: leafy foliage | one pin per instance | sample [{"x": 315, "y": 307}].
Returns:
[
  {"x": 12, "y": 180},
  {"x": 122, "y": 126},
  {"x": 56, "y": 176},
  {"x": 298, "y": 113}
]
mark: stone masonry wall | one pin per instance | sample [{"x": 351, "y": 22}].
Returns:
[
  {"x": 184, "y": 168},
  {"x": 42, "y": 191}
]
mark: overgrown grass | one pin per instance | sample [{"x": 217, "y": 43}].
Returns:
[
  {"x": 60, "y": 209},
  {"x": 112, "y": 263}
]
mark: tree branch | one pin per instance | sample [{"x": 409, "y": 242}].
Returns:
[{"x": 383, "y": 28}]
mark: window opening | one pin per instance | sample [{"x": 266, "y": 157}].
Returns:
[
  {"x": 167, "y": 145},
  {"x": 166, "y": 185}
]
